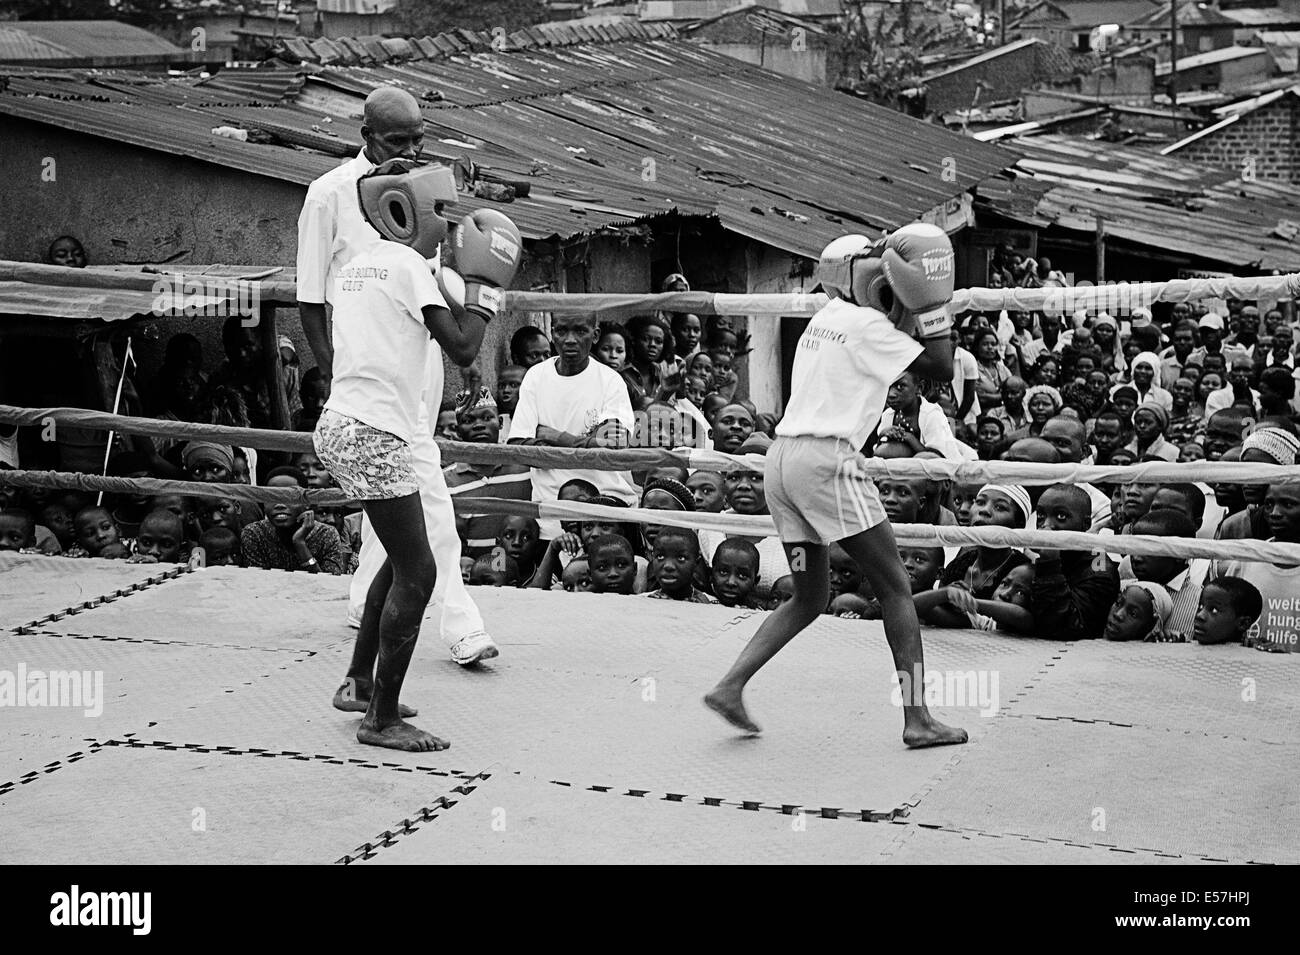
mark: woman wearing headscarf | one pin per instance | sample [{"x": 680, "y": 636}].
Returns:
[
  {"x": 1144, "y": 380},
  {"x": 1105, "y": 335},
  {"x": 991, "y": 369},
  {"x": 1263, "y": 446},
  {"x": 1043, "y": 402},
  {"x": 1150, "y": 422}
]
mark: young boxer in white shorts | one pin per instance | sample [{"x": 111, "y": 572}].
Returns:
[
  {"x": 388, "y": 307},
  {"x": 817, "y": 489}
]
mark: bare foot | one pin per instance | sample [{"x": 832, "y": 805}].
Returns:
[
  {"x": 400, "y": 735},
  {"x": 924, "y": 730},
  {"x": 729, "y": 706},
  {"x": 354, "y": 697}
]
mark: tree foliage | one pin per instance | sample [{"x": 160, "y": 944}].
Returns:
[
  {"x": 428, "y": 17},
  {"x": 881, "y": 55}
]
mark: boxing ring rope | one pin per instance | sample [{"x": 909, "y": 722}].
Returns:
[
  {"x": 1112, "y": 296},
  {"x": 915, "y": 535},
  {"x": 641, "y": 459}
]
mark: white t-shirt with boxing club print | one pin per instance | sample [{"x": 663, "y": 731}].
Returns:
[
  {"x": 381, "y": 344},
  {"x": 847, "y": 358}
]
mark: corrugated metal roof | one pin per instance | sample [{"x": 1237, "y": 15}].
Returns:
[
  {"x": 1225, "y": 55},
  {"x": 1262, "y": 16},
  {"x": 1151, "y": 200},
  {"x": 604, "y": 135},
  {"x": 1013, "y": 47},
  {"x": 17, "y": 46},
  {"x": 96, "y": 38},
  {"x": 684, "y": 10},
  {"x": 1191, "y": 13}
]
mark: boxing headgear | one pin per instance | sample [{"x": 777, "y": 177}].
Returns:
[
  {"x": 403, "y": 201},
  {"x": 851, "y": 268}
]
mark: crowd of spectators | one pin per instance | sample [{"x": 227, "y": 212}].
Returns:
[{"x": 1085, "y": 388}]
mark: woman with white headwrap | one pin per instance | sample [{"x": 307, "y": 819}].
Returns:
[
  {"x": 1264, "y": 446},
  {"x": 1145, "y": 380}
]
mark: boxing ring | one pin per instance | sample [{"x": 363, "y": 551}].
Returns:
[{"x": 586, "y": 741}]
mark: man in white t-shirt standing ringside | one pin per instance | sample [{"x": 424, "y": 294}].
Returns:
[
  {"x": 331, "y": 230},
  {"x": 388, "y": 308},
  {"x": 574, "y": 402},
  {"x": 818, "y": 490}
]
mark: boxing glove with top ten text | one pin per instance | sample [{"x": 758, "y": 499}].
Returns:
[
  {"x": 918, "y": 263},
  {"x": 488, "y": 250}
]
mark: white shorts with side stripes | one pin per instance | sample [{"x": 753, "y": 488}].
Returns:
[{"x": 818, "y": 490}]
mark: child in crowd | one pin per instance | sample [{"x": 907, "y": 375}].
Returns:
[
  {"x": 981, "y": 569},
  {"x": 674, "y": 556},
  {"x": 701, "y": 366},
  {"x": 220, "y": 547},
  {"x": 1181, "y": 581},
  {"x": 1140, "y": 612},
  {"x": 518, "y": 538},
  {"x": 1008, "y": 609},
  {"x": 1073, "y": 590},
  {"x": 1278, "y": 585},
  {"x": 613, "y": 344},
  {"x": 1228, "y": 611},
  {"x": 845, "y": 575},
  {"x": 904, "y": 499},
  {"x": 613, "y": 567},
  {"x": 160, "y": 540},
  {"x": 508, "y": 384},
  {"x": 576, "y": 578},
  {"x": 311, "y": 392},
  {"x": 446, "y": 424},
  {"x": 317, "y": 475},
  {"x": 466, "y": 569},
  {"x": 923, "y": 566},
  {"x": 289, "y": 537},
  {"x": 58, "y": 518},
  {"x": 97, "y": 535},
  {"x": 228, "y": 512},
  {"x": 17, "y": 531},
  {"x": 963, "y": 500},
  {"x": 735, "y": 573},
  {"x": 496, "y": 569},
  {"x": 709, "y": 491},
  {"x": 782, "y": 590},
  {"x": 664, "y": 494}
]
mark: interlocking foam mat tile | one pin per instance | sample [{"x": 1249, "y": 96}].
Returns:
[
  {"x": 205, "y": 808},
  {"x": 230, "y": 605},
  {"x": 72, "y": 689},
  {"x": 917, "y": 845},
  {"x": 511, "y": 819},
  {"x": 1132, "y": 788},
  {"x": 1218, "y": 691},
  {"x": 32, "y": 586}
]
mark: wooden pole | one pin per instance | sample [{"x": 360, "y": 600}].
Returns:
[
  {"x": 1100, "y": 247},
  {"x": 274, "y": 373},
  {"x": 1173, "y": 60}
]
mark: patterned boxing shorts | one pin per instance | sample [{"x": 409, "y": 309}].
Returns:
[{"x": 368, "y": 464}]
